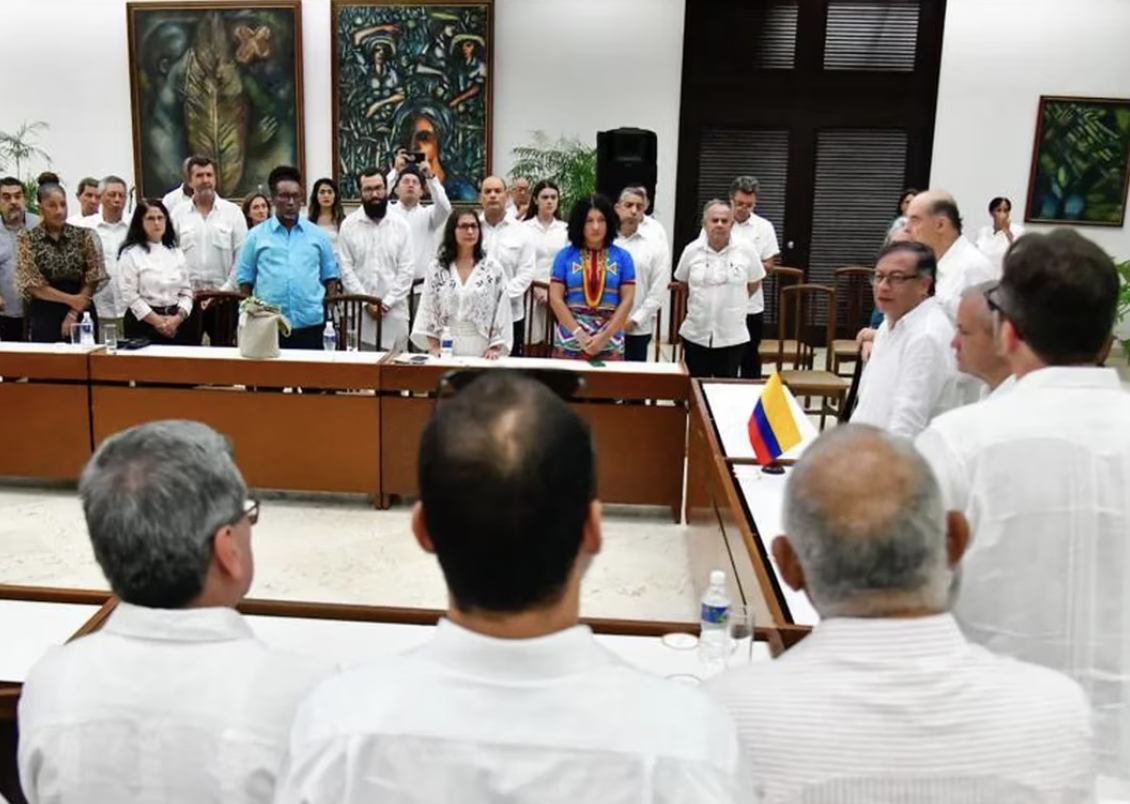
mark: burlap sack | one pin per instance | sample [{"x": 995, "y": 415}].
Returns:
[{"x": 259, "y": 327}]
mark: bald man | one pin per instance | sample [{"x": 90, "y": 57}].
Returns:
[
  {"x": 974, "y": 345},
  {"x": 886, "y": 699},
  {"x": 508, "y": 241},
  {"x": 934, "y": 219}
]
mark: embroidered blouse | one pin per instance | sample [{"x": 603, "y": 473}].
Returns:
[{"x": 480, "y": 302}]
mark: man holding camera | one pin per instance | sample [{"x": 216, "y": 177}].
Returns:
[{"x": 408, "y": 177}]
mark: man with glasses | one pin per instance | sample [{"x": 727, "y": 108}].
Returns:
[
  {"x": 288, "y": 262},
  {"x": 974, "y": 344},
  {"x": 1043, "y": 475},
  {"x": 173, "y": 699},
  {"x": 377, "y": 259},
  {"x": 911, "y": 376}
]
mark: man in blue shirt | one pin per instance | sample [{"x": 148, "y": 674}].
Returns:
[{"x": 288, "y": 261}]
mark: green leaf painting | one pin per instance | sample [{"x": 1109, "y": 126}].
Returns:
[
  {"x": 1081, "y": 164},
  {"x": 219, "y": 79},
  {"x": 414, "y": 76}
]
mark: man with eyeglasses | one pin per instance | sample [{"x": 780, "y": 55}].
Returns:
[
  {"x": 377, "y": 259},
  {"x": 289, "y": 262},
  {"x": 173, "y": 699},
  {"x": 911, "y": 376},
  {"x": 1043, "y": 475},
  {"x": 974, "y": 344}
]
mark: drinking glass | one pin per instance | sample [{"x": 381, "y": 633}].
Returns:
[
  {"x": 350, "y": 341},
  {"x": 741, "y": 635},
  {"x": 110, "y": 338},
  {"x": 75, "y": 330}
]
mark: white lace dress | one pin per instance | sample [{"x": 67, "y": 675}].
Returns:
[{"x": 477, "y": 311}]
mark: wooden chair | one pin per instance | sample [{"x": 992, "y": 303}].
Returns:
[
  {"x": 414, "y": 302},
  {"x": 222, "y": 316},
  {"x": 853, "y": 391},
  {"x": 853, "y": 286},
  {"x": 347, "y": 311},
  {"x": 799, "y": 313},
  {"x": 678, "y": 291},
  {"x": 549, "y": 323},
  {"x": 778, "y": 278}
]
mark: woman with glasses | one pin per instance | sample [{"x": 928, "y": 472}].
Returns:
[
  {"x": 465, "y": 293},
  {"x": 592, "y": 286},
  {"x": 153, "y": 278}
]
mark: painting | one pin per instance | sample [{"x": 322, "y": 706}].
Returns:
[
  {"x": 1081, "y": 162},
  {"x": 415, "y": 76},
  {"x": 215, "y": 78}
]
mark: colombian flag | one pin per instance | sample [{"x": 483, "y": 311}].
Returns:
[{"x": 772, "y": 429}]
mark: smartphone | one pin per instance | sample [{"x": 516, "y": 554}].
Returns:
[{"x": 419, "y": 156}]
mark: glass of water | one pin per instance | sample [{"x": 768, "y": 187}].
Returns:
[
  {"x": 741, "y": 635},
  {"x": 110, "y": 338},
  {"x": 75, "y": 332},
  {"x": 350, "y": 341}
]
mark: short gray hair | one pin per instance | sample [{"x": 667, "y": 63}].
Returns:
[
  {"x": 154, "y": 497},
  {"x": 744, "y": 184},
  {"x": 111, "y": 179},
  {"x": 978, "y": 292},
  {"x": 865, "y": 516},
  {"x": 715, "y": 202},
  {"x": 633, "y": 191}
]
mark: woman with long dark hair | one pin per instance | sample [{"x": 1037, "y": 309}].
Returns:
[
  {"x": 325, "y": 209},
  {"x": 153, "y": 278},
  {"x": 549, "y": 235},
  {"x": 465, "y": 292},
  {"x": 593, "y": 285},
  {"x": 59, "y": 268}
]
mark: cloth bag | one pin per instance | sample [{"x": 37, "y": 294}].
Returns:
[{"x": 259, "y": 327}]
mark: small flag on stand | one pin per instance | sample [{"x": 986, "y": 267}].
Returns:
[{"x": 773, "y": 429}]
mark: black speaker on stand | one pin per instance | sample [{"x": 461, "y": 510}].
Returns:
[{"x": 626, "y": 157}]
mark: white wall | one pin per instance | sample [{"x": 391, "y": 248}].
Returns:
[
  {"x": 998, "y": 58},
  {"x": 568, "y": 67}
]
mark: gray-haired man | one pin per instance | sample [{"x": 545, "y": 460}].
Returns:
[
  {"x": 15, "y": 218},
  {"x": 173, "y": 699},
  {"x": 886, "y": 699}
]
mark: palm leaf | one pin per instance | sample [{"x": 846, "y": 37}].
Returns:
[{"x": 215, "y": 104}]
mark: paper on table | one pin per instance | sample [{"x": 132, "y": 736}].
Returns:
[
  {"x": 28, "y": 629},
  {"x": 731, "y": 405}
]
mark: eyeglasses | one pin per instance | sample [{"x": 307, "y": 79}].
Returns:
[
  {"x": 250, "y": 512},
  {"x": 894, "y": 280},
  {"x": 467, "y": 227},
  {"x": 995, "y": 302}
]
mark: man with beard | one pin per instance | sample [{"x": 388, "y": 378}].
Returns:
[
  {"x": 377, "y": 259},
  {"x": 15, "y": 218},
  {"x": 289, "y": 262}
]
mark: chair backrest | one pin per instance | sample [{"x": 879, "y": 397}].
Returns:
[
  {"x": 223, "y": 309},
  {"x": 853, "y": 391},
  {"x": 548, "y": 323},
  {"x": 853, "y": 291},
  {"x": 413, "y": 298},
  {"x": 678, "y": 291},
  {"x": 347, "y": 311},
  {"x": 801, "y": 308},
  {"x": 777, "y": 278}
]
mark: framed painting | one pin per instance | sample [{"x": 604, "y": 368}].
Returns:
[
  {"x": 1080, "y": 162},
  {"x": 215, "y": 78},
  {"x": 413, "y": 75}
]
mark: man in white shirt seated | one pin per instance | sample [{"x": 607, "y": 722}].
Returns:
[
  {"x": 512, "y": 700},
  {"x": 377, "y": 260},
  {"x": 934, "y": 219},
  {"x": 975, "y": 346},
  {"x": 911, "y": 376},
  {"x": 758, "y": 233},
  {"x": 507, "y": 241},
  {"x": 174, "y": 699},
  {"x": 653, "y": 274},
  {"x": 1043, "y": 474},
  {"x": 886, "y": 700}
]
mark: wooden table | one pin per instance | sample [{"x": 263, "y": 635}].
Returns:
[
  {"x": 637, "y": 412},
  {"x": 725, "y": 492},
  {"x": 326, "y": 439},
  {"x": 44, "y": 410}
]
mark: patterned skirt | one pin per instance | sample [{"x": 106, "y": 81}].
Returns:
[{"x": 567, "y": 347}]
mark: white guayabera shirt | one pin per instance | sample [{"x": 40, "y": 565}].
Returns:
[
  {"x": 476, "y": 720},
  {"x": 1042, "y": 473},
  {"x": 173, "y": 706},
  {"x": 377, "y": 260},
  {"x": 884, "y": 710}
]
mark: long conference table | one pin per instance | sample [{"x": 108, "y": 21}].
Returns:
[{"x": 354, "y": 428}]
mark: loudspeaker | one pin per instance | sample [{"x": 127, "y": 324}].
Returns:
[{"x": 626, "y": 157}]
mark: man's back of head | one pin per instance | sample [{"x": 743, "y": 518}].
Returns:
[{"x": 507, "y": 483}]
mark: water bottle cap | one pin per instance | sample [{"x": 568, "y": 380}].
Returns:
[{"x": 717, "y": 578}]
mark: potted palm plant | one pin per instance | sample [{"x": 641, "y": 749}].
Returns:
[
  {"x": 568, "y": 162},
  {"x": 20, "y": 147}
]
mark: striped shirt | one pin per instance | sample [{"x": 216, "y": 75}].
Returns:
[{"x": 892, "y": 710}]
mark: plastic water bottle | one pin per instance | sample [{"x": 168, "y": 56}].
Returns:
[
  {"x": 714, "y": 634},
  {"x": 86, "y": 330},
  {"x": 446, "y": 343},
  {"x": 329, "y": 337}
]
